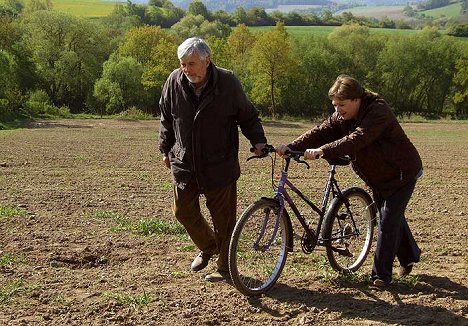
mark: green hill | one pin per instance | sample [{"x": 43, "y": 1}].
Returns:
[
  {"x": 85, "y": 8},
  {"x": 452, "y": 10}
]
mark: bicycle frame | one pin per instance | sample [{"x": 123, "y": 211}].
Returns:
[{"x": 282, "y": 196}]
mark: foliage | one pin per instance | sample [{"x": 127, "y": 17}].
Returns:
[
  {"x": 120, "y": 86},
  {"x": 43, "y": 51},
  {"x": 460, "y": 80},
  {"x": 416, "y": 73},
  {"x": 68, "y": 52},
  {"x": 197, "y": 25},
  {"x": 134, "y": 114},
  {"x": 270, "y": 65},
  {"x": 458, "y": 29}
]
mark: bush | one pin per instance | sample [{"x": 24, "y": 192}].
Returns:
[
  {"x": 40, "y": 105},
  {"x": 460, "y": 30},
  {"x": 134, "y": 114}
]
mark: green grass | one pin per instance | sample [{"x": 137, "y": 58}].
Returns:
[
  {"x": 7, "y": 260},
  {"x": 13, "y": 288},
  {"x": 301, "y": 31},
  {"x": 12, "y": 211},
  {"x": 144, "y": 226},
  {"x": 85, "y": 8},
  {"x": 450, "y": 11},
  {"x": 133, "y": 301}
]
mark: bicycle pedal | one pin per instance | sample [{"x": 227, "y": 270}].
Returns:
[
  {"x": 342, "y": 217},
  {"x": 343, "y": 252}
]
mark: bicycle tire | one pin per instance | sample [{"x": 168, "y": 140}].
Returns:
[
  {"x": 253, "y": 269},
  {"x": 351, "y": 241}
]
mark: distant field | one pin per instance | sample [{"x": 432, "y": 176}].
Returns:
[
  {"x": 392, "y": 12},
  {"x": 300, "y": 31},
  {"x": 290, "y": 8},
  {"x": 85, "y": 8},
  {"x": 449, "y": 11}
]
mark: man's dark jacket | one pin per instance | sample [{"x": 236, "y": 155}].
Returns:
[
  {"x": 383, "y": 155},
  {"x": 200, "y": 136}
]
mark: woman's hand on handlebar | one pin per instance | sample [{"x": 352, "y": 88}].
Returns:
[
  {"x": 313, "y": 153},
  {"x": 282, "y": 149}
]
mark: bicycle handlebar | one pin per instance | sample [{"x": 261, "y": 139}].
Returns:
[{"x": 295, "y": 155}]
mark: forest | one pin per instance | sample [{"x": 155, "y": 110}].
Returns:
[{"x": 54, "y": 64}]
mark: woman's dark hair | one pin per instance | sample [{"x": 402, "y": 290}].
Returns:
[{"x": 346, "y": 88}]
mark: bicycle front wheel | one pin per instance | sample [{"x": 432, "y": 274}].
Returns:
[
  {"x": 348, "y": 230},
  {"x": 258, "y": 248}
]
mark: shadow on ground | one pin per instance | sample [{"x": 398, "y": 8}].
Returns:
[{"x": 371, "y": 306}]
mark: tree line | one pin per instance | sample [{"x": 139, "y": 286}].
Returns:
[{"x": 55, "y": 64}]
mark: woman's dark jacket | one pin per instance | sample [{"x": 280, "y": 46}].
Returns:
[
  {"x": 200, "y": 136},
  {"x": 383, "y": 155}
]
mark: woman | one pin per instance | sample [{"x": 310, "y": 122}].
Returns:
[{"x": 364, "y": 127}]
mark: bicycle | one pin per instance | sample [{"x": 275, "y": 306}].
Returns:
[{"x": 263, "y": 235}]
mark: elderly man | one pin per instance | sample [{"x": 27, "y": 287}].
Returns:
[{"x": 202, "y": 106}]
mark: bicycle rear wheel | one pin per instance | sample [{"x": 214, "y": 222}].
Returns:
[
  {"x": 257, "y": 254},
  {"x": 348, "y": 230}
]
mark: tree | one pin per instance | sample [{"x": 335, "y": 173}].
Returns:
[
  {"x": 416, "y": 72},
  {"x": 68, "y": 52},
  {"x": 197, "y": 26},
  {"x": 358, "y": 49},
  {"x": 238, "y": 48},
  {"x": 460, "y": 80},
  {"x": 120, "y": 86},
  {"x": 140, "y": 41},
  {"x": 240, "y": 16},
  {"x": 196, "y": 8},
  {"x": 270, "y": 63},
  {"x": 163, "y": 61},
  {"x": 8, "y": 84},
  {"x": 318, "y": 66}
]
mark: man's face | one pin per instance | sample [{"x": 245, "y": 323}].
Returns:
[
  {"x": 195, "y": 68},
  {"x": 347, "y": 109}
]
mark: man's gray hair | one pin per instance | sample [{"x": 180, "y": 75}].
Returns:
[{"x": 194, "y": 45}]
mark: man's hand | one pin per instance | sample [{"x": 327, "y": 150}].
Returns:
[
  {"x": 166, "y": 161},
  {"x": 258, "y": 148}
]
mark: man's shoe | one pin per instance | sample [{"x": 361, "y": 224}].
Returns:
[
  {"x": 405, "y": 270},
  {"x": 380, "y": 283},
  {"x": 218, "y": 276},
  {"x": 201, "y": 261}
]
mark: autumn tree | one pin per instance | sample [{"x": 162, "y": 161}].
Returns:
[{"x": 270, "y": 64}]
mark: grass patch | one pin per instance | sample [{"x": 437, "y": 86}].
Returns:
[
  {"x": 8, "y": 260},
  {"x": 409, "y": 280},
  {"x": 13, "y": 288},
  {"x": 133, "y": 301},
  {"x": 187, "y": 248},
  {"x": 330, "y": 276},
  {"x": 12, "y": 211},
  {"x": 147, "y": 227},
  {"x": 158, "y": 226}
]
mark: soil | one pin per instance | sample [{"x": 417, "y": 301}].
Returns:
[{"x": 69, "y": 257}]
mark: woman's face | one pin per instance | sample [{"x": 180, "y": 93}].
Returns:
[{"x": 347, "y": 109}]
